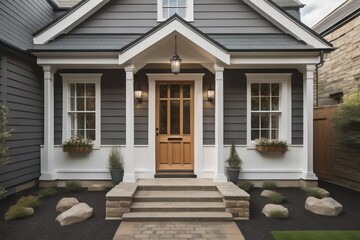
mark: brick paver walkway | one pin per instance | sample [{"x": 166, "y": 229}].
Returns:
[{"x": 178, "y": 230}]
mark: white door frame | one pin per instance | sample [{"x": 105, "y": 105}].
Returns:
[{"x": 198, "y": 114}]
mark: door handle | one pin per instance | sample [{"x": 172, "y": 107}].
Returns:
[{"x": 157, "y": 131}]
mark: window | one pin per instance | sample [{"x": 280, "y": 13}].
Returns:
[
  {"x": 269, "y": 103},
  {"x": 184, "y": 8},
  {"x": 81, "y": 106}
]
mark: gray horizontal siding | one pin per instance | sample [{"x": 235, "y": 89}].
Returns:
[
  {"x": 20, "y": 19},
  {"x": 297, "y": 95},
  {"x": 142, "y": 110},
  {"x": 208, "y": 111},
  {"x": 24, "y": 97},
  {"x": 58, "y": 106}
]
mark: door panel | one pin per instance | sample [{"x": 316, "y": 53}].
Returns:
[{"x": 174, "y": 126}]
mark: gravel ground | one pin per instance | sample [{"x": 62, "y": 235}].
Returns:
[
  {"x": 42, "y": 226},
  {"x": 259, "y": 227}
]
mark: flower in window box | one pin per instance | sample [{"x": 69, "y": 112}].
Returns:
[
  {"x": 77, "y": 144},
  {"x": 271, "y": 145}
]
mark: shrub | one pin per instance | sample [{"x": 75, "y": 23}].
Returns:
[
  {"x": 116, "y": 161},
  {"x": 29, "y": 201},
  {"x": 18, "y": 211},
  {"x": 314, "y": 192},
  {"x": 277, "y": 215},
  {"x": 277, "y": 198},
  {"x": 245, "y": 185},
  {"x": 47, "y": 192},
  {"x": 269, "y": 185},
  {"x": 73, "y": 186},
  {"x": 234, "y": 161},
  {"x": 346, "y": 122},
  {"x": 2, "y": 192}
]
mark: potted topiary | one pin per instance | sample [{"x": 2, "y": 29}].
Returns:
[
  {"x": 116, "y": 166},
  {"x": 234, "y": 164}
]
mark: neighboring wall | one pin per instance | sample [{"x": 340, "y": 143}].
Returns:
[
  {"x": 22, "y": 92},
  {"x": 341, "y": 70}
]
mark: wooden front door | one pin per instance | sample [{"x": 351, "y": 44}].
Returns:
[{"x": 175, "y": 126}]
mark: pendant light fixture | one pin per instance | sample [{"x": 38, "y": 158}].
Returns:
[{"x": 175, "y": 61}]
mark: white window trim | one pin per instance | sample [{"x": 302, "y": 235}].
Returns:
[
  {"x": 285, "y": 102},
  {"x": 189, "y": 11},
  {"x": 69, "y": 78}
]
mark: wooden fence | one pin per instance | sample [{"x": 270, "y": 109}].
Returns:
[{"x": 332, "y": 162}]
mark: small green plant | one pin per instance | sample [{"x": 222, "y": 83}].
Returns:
[
  {"x": 277, "y": 215},
  {"x": 270, "y": 142},
  {"x": 73, "y": 186},
  {"x": 245, "y": 185},
  {"x": 29, "y": 201},
  {"x": 314, "y": 192},
  {"x": 47, "y": 192},
  {"x": 116, "y": 161},
  {"x": 234, "y": 161},
  {"x": 269, "y": 185},
  {"x": 18, "y": 211},
  {"x": 277, "y": 198}
]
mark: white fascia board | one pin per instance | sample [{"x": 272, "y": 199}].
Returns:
[
  {"x": 77, "y": 61},
  {"x": 69, "y": 22},
  {"x": 282, "y": 21},
  {"x": 182, "y": 29},
  {"x": 275, "y": 60}
]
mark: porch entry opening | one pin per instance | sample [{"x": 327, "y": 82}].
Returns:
[{"x": 175, "y": 127}]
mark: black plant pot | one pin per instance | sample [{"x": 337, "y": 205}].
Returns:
[
  {"x": 117, "y": 176},
  {"x": 233, "y": 174}
]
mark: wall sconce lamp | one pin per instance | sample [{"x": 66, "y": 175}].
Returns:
[
  {"x": 138, "y": 94},
  {"x": 211, "y": 94},
  {"x": 175, "y": 61}
]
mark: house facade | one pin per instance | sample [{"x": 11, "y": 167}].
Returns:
[
  {"x": 340, "y": 73},
  {"x": 258, "y": 59}
]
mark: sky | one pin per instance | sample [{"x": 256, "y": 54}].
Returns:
[{"x": 315, "y": 10}]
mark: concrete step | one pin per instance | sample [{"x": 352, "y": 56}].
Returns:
[
  {"x": 175, "y": 184},
  {"x": 177, "y": 217},
  {"x": 178, "y": 207},
  {"x": 178, "y": 196}
]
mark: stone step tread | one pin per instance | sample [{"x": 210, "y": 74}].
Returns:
[
  {"x": 178, "y": 194},
  {"x": 175, "y": 205},
  {"x": 177, "y": 216},
  {"x": 175, "y": 182}
]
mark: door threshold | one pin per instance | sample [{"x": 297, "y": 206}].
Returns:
[{"x": 175, "y": 174}]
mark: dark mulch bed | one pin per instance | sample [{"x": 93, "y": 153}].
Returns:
[
  {"x": 42, "y": 224},
  {"x": 259, "y": 227}
]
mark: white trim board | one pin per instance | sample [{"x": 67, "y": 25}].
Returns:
[{"x": 198, "y": 114}]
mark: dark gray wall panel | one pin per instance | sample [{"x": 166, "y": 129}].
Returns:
[
  {"x": 141, "y": 110},
  {"x": 208, "y": 111},
  {"x": 20, "y": 19},
  {"x": 24, "y": 95},
  {"x": 297, "y": 108},
  {"x": 58, "y": 105}
]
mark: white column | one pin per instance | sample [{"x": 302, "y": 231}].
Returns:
[
  {"x": 308, "y": 168},
  {"x": 219, "y": 125},
  {"x": 47, "y": 159},
  {"x": 129, "y": 168}
]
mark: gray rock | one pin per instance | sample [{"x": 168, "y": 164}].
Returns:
[
  {"x": 97, "y": 188},
  {"x": 76, "y": 214},
  {"x": 267, "y": 193},
  {"x": 326, "y": 206},
  {"x": 65, "y": 204},
  {"x": 271, "y": 208}
]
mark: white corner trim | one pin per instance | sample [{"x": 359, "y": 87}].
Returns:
[
  {"x": 181, "y": 28},
  {"x": 70, "y": 21},
  {"x": 81, "y": 78},
  {"x": 198, "y": 114},
  {"x": 189, "y": 11},
  {"x": 282, "y": 21},
  {"x": 285, "y": 125}
]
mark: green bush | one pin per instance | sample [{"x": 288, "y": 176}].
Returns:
[
  {"x": 314, "y": 192},
  {"x": 277, "y": 215},
  {"x": 245, "y": 185},
  {"x": 18, "y": 211},
  {"x": 346, "y": 122},
  {"x": 269, "y": 185},
  {"x": 47, "y": 192},
  {"x": 2, "y": 192},
  {"x": 29, "y": 201},
  {"x": 234, "y": 161},
  {"x": 277, "y": 198},
  {"x": 116, "y": 161},
  {"x": 73, "y": 186}
]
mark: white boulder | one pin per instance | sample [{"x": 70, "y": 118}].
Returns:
[
  {"x": 76, "y": 214},
  {"x": 282, "y": 212},
  {"x": 267, "y": 193},
  {"x": 65, "y": 204},
  {"x": 326, "y": 206}
]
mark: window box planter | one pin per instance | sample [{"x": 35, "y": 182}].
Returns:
[
  {"x": 77, "y": 149},
  {"x": 282, "y": 149}
]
